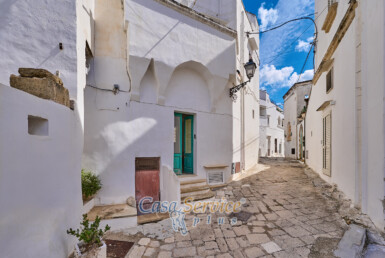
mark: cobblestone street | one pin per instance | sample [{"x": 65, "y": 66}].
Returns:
[{"x": 284, "y": 215}]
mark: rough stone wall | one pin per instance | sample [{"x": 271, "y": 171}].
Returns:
[{"x": 42, "y": 84}]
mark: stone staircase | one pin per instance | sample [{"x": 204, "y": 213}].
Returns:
[{"x": 197, "y": 189}]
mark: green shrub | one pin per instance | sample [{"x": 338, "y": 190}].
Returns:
[
  {"x": 89, "y": 234},
  {"x": 90, "y": 184}
]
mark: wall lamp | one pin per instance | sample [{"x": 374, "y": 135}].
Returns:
[{"x": 250, "y": 68}]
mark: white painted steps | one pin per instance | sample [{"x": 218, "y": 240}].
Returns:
[{"x": 197, "y": 189}]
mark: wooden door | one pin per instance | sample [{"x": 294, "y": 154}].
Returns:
[
  {"x": 147, "y": 181},
  {"x": 178, "y": 143},
  {"x": 326, "y": 145},
  {"x": 188, "y": 144}
]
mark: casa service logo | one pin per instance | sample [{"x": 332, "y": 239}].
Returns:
[{"x": 178, "y": 214}]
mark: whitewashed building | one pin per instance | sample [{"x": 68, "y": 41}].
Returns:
[
  {"x": 172, "y": 66},
  {"x": 294, "y": 107},
  {"x": 41, "y": 142},
  {"x": 147, "y": 79},
  {"x": 345, "y": 115},
  {"x": 271, "y": 120}
]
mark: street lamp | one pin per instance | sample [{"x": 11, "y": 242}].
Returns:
[{"x": 250, "y": 68}]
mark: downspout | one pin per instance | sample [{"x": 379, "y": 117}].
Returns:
[{"x": 242, "y": 59}]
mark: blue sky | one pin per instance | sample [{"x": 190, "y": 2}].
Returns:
[{"x": 283, "y": 51}]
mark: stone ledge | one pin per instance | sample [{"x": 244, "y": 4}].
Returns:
[{"x": 42, "y": 84}]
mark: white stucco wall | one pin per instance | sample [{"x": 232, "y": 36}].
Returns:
[
  {"x": 246, "y": 138},
  {"x": 373, "y": 82},
  {"x": 357, "y": 164},
  {"x": 45, "y": 24},
  {"x": 40, "y": 190}
]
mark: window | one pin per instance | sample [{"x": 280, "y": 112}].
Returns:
[
  {"x": 329, "y": 80},
  {"x": 253, "y": 114},
  {"x": 268, "y": 120},
  {"x": 293, "y": 151},
  {"x": 279, "y": 121}
]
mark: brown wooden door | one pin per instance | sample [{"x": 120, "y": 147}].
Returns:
[{"x": 146, "y": 182}]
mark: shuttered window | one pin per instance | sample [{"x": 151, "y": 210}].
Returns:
[
  {"x": 329, "y": 80},
  {"x": 326, "y": 145}
]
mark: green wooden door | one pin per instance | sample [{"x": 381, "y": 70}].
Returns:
[
  {"x": 188, "y": 144},
  {"x": 178, "y": 119}
]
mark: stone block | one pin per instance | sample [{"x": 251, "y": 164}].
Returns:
[
  {"x": 39, "y": 73},
  {"x": 44, "y": 88},
  {"x": 352, "y": 243},
  {"x": 183, "y": 252},
  {"x": 271, "y": 247}
]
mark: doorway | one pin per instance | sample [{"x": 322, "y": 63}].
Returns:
[
  {"x": 183, "y": 144},
  {"x": 147, "y": 181}
]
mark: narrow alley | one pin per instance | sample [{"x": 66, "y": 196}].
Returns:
[{"x": 289, "y": 212}]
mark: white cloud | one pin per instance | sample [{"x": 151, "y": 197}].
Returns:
[
  {"x": 267, "y": 16},
  {"x": 282, "y": 78},
  {"x": 284, "y": 39},
  {"x": 304, "y": 46}
]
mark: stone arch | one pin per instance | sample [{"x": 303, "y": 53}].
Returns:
[
  {"x": 190, "y": 87},
  {"x": 148, "y": 89}
]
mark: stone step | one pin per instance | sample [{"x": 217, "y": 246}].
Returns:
[
  {"x": 194, "y": 188},
  {"x": 193, "y": 182},
  {"x": 153, "y": 217},
  {"x": 188, "y": 194},
  {"x": 199, "y": 197}
]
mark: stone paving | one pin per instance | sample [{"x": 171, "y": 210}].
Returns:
[{"x": 287, "y": 213}]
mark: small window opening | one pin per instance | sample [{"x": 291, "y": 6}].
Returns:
[{"x": 37, "y": 126}]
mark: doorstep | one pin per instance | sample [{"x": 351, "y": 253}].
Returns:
[
  {"x": 112, "y": 212},
  {"x": 153, "y": 217}
]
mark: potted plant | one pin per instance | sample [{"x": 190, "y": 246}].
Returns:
[
  {"x": 91, "y": 244},
  {"x": 90, "y": 185}
]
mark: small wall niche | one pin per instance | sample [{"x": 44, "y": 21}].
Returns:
[{"x": 37, "y": 126}]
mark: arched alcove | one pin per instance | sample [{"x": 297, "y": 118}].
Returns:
[
  {"x": 148, "y": 89},
  {"x": 189, "y": 87}
]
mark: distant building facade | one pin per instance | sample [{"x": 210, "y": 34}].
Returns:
[
  {"x": 294, "y": 107},
  {"x": 271, "y": 120}
]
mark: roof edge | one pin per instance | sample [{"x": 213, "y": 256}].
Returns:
[
  {"x": 198, "y": 16},
  {"x": 294, "y": 86}
]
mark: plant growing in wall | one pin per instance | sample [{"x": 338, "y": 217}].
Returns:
[
  {"x": 90, "y": 184},
  {"x": 90, "y": 238}
]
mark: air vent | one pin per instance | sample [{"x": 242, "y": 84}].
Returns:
[{"x": 215, "y": 178}]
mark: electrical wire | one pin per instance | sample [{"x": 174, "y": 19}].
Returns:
[
  {"x": 303, "y": 67},
  {"x": 282, "y": 24},
  {"x": 294, "y": 41},
  {"x": 88, "y": 85}
]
